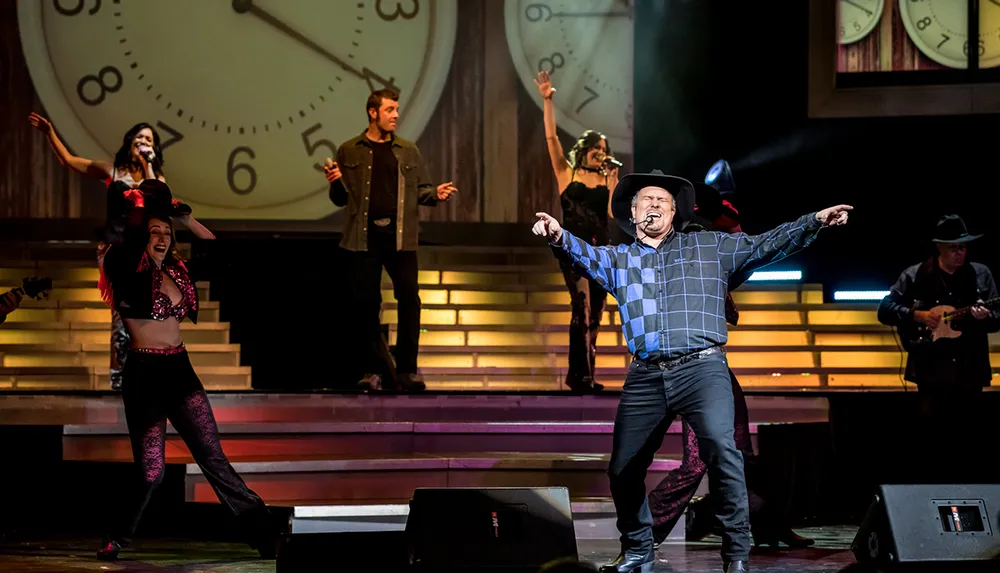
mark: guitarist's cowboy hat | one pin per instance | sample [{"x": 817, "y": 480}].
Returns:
[{"x": 952, "y": 229}]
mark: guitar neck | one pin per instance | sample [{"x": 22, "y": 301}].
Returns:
[{"x": 965, "y": 310}]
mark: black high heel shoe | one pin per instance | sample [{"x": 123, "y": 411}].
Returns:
[
  {"x": 775, "y": 538},
  {"x": 109, "y": 551}
]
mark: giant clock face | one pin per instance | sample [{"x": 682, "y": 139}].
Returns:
[
  {"x": 249, "y": 96},
  {"x": 940, "y": 30},
  {"x": 858, "y": 18},
  {"x": 587, "y": 47}
]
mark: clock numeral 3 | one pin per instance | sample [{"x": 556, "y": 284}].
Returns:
[
  {"x": 312, "y": 147},
  {"x": 175, "y": 135},
  {"x": 233, "y": 168},
  {"x": 399, "y": 11},
  {"x": 552, "y": 63},
  {"x": 982, "y": 47},
  {"x": 592, "y": 95},
  {"x": 536, "y": 12},
  {"x": 371, "y": 77},
  {"x": 77, "y": 8},
  {"x": 99, "y": 79}
]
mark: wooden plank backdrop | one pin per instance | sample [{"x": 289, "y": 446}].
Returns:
[
  {"x": 486, "y": 135},
  {"x": 887, "y": 48}
]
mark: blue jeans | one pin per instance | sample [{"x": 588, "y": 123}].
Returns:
[{"x": 701, "y": 392}]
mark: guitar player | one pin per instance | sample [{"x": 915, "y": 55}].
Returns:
[
  {"x": 9, "y": 301},
  {"x": 943, "y": 310}
]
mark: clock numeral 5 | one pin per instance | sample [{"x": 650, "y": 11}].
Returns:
[
  {"x": 385, "y": 83},
  {"x": 175, "y": 135},
  {"x": 399, "y": 11},
  {"x": 99, "y": 79},
  {"x": 233, "y": 168},
  {"x": 76, "y": 9},
  {"x": 312, "y": 147}
]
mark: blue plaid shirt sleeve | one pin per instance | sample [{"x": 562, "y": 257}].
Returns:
[
  {"x": 741, "y": 253},
  {"x": 596, "y": 263}
]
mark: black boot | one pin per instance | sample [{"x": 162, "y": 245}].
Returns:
[
  {"x": 736, "y": 567},
  {"x": 109, "y": 551},
  {"x": 412, "y": 383},
  {"x": 631, "y": 562}
]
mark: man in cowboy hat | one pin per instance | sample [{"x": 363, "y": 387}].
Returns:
[
  {"x": 914, "y": 305},
  {"x": 671, "y": 290}
]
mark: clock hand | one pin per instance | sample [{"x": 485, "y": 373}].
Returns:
[
  {"x": 859, "y": 7},
  {"x": 244, "y": 6}
]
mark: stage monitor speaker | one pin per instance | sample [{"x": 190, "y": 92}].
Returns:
[
  {"x": 914, "y": 526},
  {"x": 368, "y": 551},
  {"x": 489, "y": 529}
]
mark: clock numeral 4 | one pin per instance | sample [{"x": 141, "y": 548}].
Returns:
[
  {"x": 536, "y": 12},
  {"x": 233, "y": 168},
  {"x": 77, "y": 8},
  {"x": 311, "y": 147},
  {"x": 551, "y": 63},
  {"x": 399, "y": 11},
  {"x": 371, "y": 77},
  {"x": 591, "y": 96},
  {"x": 175, "y": 135},
  {"x": 101, "y": 80}
]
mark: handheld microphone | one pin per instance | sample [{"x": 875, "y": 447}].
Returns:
[
  {"x": 613, "y": 161},
  {"x": 147, "y": 152}
]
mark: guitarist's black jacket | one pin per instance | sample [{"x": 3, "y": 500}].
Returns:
[{"x": 949, "y": 363}]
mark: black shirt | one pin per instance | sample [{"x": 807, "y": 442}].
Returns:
[{"x": 384, "y": 186}]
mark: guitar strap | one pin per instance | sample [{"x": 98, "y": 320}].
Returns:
[{"x": 929, "y": 285}]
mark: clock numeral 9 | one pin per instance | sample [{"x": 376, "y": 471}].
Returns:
[
  {"x": 399, "y": 11},
  {"x": 313, "y": 146},
  {"x": 982, "y": 47},
  {"x": 923, "y": 22},
  {"x": 552, "y": 63},
  {"x": 76, "y": 9},
  {"x": 99, "y": 79},
  {"x": 233, "y": 168},
  {"x": 536, "y": 12},
  {"x": 371, "y": 77}
]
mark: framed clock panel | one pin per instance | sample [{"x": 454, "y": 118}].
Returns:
[
  {"x": 587, "y": 47},
  {"x": 249, "y": 96}
]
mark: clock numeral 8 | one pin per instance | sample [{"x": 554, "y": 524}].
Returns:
[
  {"x": 552, "y": 63},
  {"x": 535, "y": 12},
  {"x": 399, "y": 11},
  {"x": 923, "y": 22},
  {"x": 981, "y": 50},
  {"x": 99, "y": 79},
  {"x": 232, "y": 168},
  {"x": 76, "y": 9},
  {"x": 311, "y": 147}
]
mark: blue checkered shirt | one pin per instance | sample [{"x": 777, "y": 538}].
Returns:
[{"x": 672, "y": 297}]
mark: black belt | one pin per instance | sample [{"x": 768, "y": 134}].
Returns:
[{"x": 673, "y": 363}]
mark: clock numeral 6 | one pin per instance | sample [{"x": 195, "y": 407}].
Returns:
[
  {"x": 233, "y": 168},
  {"x": 100, "y": 80},
  {"x": 552, "y": 63},
  {"x": 77, "y": 8},
  {"x": 311, "y": 147},
  {"x": 399, "y": 11},
  {"x": 536, "y": 12},
  {"x": 981, "y": 50}
]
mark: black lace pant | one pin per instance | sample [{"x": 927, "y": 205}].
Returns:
[
  {"x": 157, "y": 388},
  {"x": 588, "y": 301}
]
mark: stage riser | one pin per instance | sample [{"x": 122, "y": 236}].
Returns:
[{"x": 16, "y": 334}]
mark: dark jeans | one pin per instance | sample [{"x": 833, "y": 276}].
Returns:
[
  {"x": 588, "y": 302},
  {"x": 157, "y": 388},
  {"x": 701, "y": 392},
  {"x": 366, "y": 278}
]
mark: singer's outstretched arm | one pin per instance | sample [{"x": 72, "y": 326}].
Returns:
[
  {"x": 83, "y": 166},
  {"x": 742, "y": 253}
]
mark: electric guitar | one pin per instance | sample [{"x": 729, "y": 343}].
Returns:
[
  {"x": 948, "y": 314},
  {"x": 35, "y": 287}
]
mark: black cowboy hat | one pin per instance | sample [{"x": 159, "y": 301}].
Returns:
[
  {"x": 952, "y": 229},
  {"x": 158, "y": 200},
  {"x": 628, "y": 186},
  {"x": 709, "y": 204}
]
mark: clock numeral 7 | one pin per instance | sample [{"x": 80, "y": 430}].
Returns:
[
  {"x": 313, "y": 146},
  {"x": 399, "y": 11},
  {"x": 76, "y": 9},
  {"x": 385, "y": 83},
  {"x": 593, "y": 95},
  {"x": 233, "y": 168},
  {"x": 175, "y": 135},
  {"x": 100, "y": 79}
]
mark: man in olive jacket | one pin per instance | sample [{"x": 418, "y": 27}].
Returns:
[{"x": 381, "y": 178}]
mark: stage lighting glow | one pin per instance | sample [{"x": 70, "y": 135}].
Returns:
[
  {"x": 720, "y": 176},
  {"x": 776, "y": 276},
  {"x": 713, "y": 173},
  {"x": 860, "y": 294}
]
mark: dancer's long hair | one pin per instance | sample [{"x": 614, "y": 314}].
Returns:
[
  {"x": 587, "y": 141},
  {"x": 124, "y": 155}
]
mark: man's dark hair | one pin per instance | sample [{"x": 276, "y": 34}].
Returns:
[{"x": 375, "y": 101}]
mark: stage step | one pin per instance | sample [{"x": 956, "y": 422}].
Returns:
[
  {"x": 308, "y": 441},
  {"x": 83, "y": 290},
  {"x": 97, "y": 354},
  {"x": 100, "y": 332},
  {"x": 86, "y": 311},
  {"x": 64, "y": 378},
  {"x": 378, "y": 479}
]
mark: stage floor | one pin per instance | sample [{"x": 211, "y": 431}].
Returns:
[{"x": 831, "y": 554}]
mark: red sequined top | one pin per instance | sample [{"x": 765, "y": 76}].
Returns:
[{"x": 136, "y": 282}]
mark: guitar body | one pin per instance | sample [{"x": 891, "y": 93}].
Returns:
[{"x": 944, "y": 329}]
